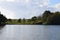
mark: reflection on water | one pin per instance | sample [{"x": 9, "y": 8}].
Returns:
[
  {"x": 2, "y": 26},
  {"x": 30, "y": 32}
]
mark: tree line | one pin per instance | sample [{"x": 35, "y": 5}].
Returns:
[
  {"x": 3, "y": 19},
  {"x": 47, "y": 18}
]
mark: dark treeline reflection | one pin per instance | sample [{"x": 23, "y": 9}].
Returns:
[{"x": 2, "y": 26}]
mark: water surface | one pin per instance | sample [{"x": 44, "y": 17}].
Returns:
[{"x": 30, "y": 32}]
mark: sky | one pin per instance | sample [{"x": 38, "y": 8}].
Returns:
[{"x": 16, "y": 9}]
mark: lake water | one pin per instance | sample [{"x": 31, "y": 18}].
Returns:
[{"x": 30, "y": 32}]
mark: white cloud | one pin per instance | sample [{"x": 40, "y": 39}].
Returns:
[
  {"x": 57, "y": 6},
  {"x": 7, "y": 13},
  {"x": 7, "y": 0},
  {"x": 1, "y": 0},
  {"x": 31, "y": 6},
  {"x": 10, "y": 0},
  {"x": 42, "y": 3},
  {"x": 26, "y": 1},
  {"x": 19, "y": 1},
  {"x": 38, "y": 2}
]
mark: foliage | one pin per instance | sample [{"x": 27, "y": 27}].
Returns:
[
  {"x": 55, "y": 19},
  {"x": 24, "y": 20},
  {"x": 9, "y": 20},
  {"x": 34, "y": 19},
  {"x": 3, "y": 19},
  {"x": 19, "y": 20},
  {"x": 48, "y": 18},
  {"x": 45, "y": 15}
]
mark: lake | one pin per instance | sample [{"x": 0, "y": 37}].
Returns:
[{"x": 30, "y": 32}]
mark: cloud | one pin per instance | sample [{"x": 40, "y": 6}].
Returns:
[
  {"x": 1, "y": 0},
  {"x": 57, "y": 6},
  {"x": 10, "y": 0},
  {"x": 18, "y": 1},
  {"x": 23, "y": 8},
  {"x": 42, "y": 3},
  {"x": 7, "y": 13}
]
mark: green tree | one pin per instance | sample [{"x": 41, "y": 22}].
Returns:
[
  {"x": 19, "y": 20},
  {"x": 9, "y": 20},
  {"x": 39, "y": 18},
  {"x": 34, "y": 19},
  {"x": 55, "y": 19},
  {"x": 45, "y": 16},
  {"x": 24, "y": 20},
  {"x": 3, "y": 19},
  {"x": 29, "y": 20}
]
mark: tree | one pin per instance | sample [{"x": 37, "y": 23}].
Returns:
[
  {"x": 45, "y": 15},
  {"x": 34, "y": 18},
  {"x": 3, "y": 19},
  {"x": 55, "y": 19},
  {"x": 19, "y": 20},
  {"x": 28, "y": 20},
  {"x": 24, "y": 20},
  {"x": 39, "y": 18},
  {"x": 9, "y": 20}
]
